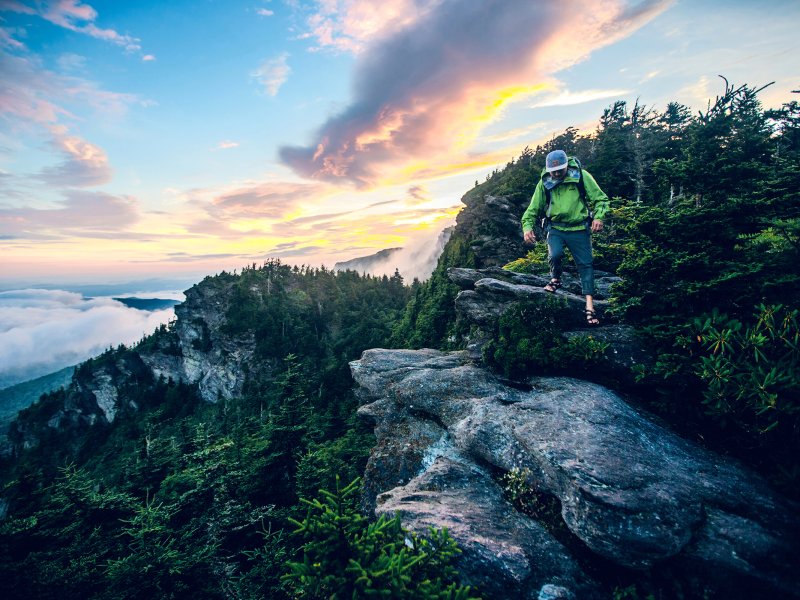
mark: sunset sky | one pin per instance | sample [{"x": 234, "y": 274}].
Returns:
[{"x": 180, "y": 138}]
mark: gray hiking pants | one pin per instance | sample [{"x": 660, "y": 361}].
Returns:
[{"x": 580, "y": 244}]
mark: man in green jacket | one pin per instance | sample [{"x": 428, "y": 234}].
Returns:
[{"x": 562, "y": 200}]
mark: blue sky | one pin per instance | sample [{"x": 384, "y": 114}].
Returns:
[{"x": 142, "y": 139}]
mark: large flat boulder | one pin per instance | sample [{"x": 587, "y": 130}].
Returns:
[{"x": 633, "y": 492}]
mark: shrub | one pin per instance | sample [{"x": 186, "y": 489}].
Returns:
[
  {"x": 529, "y": 340},
  {"x": 753, "y": 369},
  {"x": 346, "y": 556}
]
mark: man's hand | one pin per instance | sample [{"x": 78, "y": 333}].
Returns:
[
  {"x": 597, "y": 225},
  {"x": 529, "y": 237}
]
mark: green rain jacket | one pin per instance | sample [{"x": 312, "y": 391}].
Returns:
[{"x": 567, "y": 211}]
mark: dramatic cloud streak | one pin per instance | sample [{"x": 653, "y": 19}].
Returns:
[
  {"x": 250, "y": 207},
  {"x": 42, "y": 331},
  {"x": 427, "y": 90}
]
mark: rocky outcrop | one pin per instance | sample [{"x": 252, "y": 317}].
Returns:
[
  {"x": 505, "y": 552},
  {"x": 487, "y": 294},
  {"x": 92, "y": 399},
  {"x": 492, "y": 227},
  {"x": 198, "y": 349},
  {"x": 631, "y": 491},
  {"x": 203, "y": 351}
]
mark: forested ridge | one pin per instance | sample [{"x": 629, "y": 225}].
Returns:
[{"x": 179, "y": 497}]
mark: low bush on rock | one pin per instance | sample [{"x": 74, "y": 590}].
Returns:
[{"x": 346, "y": 556}]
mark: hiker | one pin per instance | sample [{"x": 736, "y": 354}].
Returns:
[{"x": 560, "y": 201}]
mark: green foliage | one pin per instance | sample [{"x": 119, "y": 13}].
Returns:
[
  {"x": 159, "y": 562},
  {"x": 529, "y": 340},
  {"x": 59, "y": 549},
  {"x": 267, "y": 565},
  {"x": 528, "y": 500},
  {"x": 429, "y": 319},
  {"x": 320, "y": 315},
  {"x": 630, "y": 592},
  {"x": 728, "y": 239},
  {"x": 341, "y": 457},
  {"x": 751, "y": 371},
  {"x": 197, "y": 483},
  {"x": 17, "y": 397},
  {"x": 346, "y": 556},
  {"x": 535, "y": 261}
]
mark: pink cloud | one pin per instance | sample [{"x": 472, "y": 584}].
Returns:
[
  {"x": 82, "y": 213},
  {"x": 271, "y": 200},
  {"x": 84, "y": 163},
  {"x": 350, "y": 25},
  {"x": 7, "y": 40},
  {"x": 427, "y": 87},
  {"x": 267, "y": 201},
  {"x": 418, "y": 194},
  {"x": 31, "y": 94}
]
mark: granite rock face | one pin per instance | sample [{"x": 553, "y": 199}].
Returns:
[
  {"x": 198, "y": 350},
  {"x": 208, "y": 356},
  {"x": 92, "y": 399},
  {"x": 488, "y": 294},
  {"x": 492, "y": 226},
  {"x": 630, "y": 490},
  {"x": 505, "y": 553}
]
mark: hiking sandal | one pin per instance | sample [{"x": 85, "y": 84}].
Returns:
[
  {"x": 591, "y": 317},
  {"x": 552, "y": 286}
]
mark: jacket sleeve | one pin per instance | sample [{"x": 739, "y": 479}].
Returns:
[
  {"x": 596, "y": 196},
  {"x": 534, "y": 209}
]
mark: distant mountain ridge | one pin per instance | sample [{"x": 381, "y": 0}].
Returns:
[
  {"x": 149, "y": 304},
  {"x": 366, "y": 263}
]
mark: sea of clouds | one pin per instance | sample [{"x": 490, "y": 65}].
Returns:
[{"x": 42, "y": 331}]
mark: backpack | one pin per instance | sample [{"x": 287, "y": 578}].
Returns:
[{"x": 581, "y": 191}]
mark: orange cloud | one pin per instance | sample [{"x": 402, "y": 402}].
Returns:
[{"x": 428, "y": 90}]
